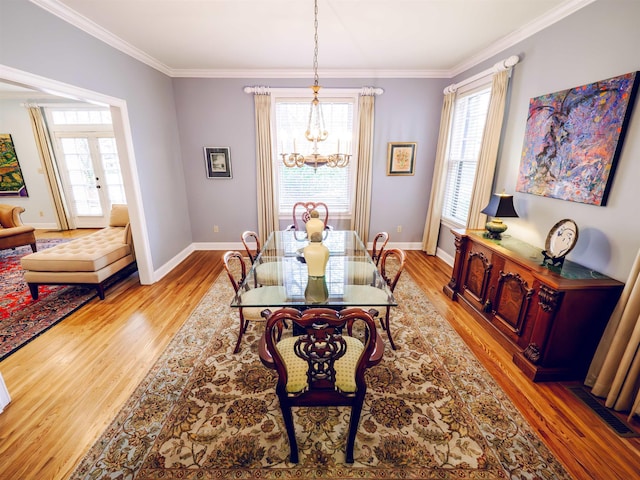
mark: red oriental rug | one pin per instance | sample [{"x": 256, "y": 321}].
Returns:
[{"x": 21, "y": 318}]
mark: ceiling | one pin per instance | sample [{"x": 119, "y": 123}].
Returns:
[{"x": 274, "y": 38}]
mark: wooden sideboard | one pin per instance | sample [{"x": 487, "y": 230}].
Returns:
[{"x": 551, "y": 318}]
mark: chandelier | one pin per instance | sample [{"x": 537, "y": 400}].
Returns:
[{"x": 316, "y": 131}]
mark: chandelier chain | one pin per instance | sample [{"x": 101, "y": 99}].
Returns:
[
  {"x": 316, "y": 131},
  {"x": 315, "y": 51}
]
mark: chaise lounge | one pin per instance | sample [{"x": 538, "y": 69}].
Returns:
[{"x": 89, "y": 260}]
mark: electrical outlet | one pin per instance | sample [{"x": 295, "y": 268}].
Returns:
[
  {"x": 399, "y": 228},
  {"x": 215, "y": 229},
  {"x": 41, "y": 213}
]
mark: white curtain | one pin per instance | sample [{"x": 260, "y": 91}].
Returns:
[
  {"x": 362, "y": 204},
  {"x": 267, "y": 205},
  {"x": 432, "y": 226},
  {"x": 614, "y": 373},
  {"x": 483, "y": 184},
  {"x": 500, "y": 72},
  {"x": 43, "y": 143}
]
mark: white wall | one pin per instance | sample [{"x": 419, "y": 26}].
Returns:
[
  {"x": 598, "y": 42},
  {"x": 36, "y": 42},
  {"x": 217, "y": 112},
  {"x": 14, "y": 120}
]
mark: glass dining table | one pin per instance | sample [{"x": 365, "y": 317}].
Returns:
[{"x": 279, "y": 277}]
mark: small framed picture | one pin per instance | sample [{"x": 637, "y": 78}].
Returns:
[
  {"x": 401, "y": 158},
  {"x": 218, "y": 162}
]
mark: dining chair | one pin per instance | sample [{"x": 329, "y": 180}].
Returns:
[
  {"x": 236, "y": 269},
  {"x": 323, "y": 366},
  {"x": 265, "y": 273},
  {"x": 391, "y": 267},
  {"x": 302, "y": 214},
  {"x": 364, "y": 272}
]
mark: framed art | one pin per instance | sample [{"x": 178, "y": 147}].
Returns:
[
  {"x": 11, "y": 179},
  {"x": 573, "y": 139},
  {"x": 218, "y": 162},
  {"x": 401, "y": 158}
]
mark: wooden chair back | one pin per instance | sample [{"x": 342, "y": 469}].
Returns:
[
  {"x": 379, "y": 243},
  {"x": 327, "y": 337},
  {"x": 250, "y": 236},
  {"x": 302, "y": 214},
  {"x": 235, "y": 267},
  {"x": 392, "y": 265}
]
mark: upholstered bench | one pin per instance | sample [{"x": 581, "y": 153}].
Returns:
[{"x": 89, "y": 260}]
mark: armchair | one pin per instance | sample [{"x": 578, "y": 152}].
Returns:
[{"x": 13, "y": 232}]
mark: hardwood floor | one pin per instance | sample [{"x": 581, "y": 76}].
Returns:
[
  {"x": 69, "y": 234},
  {"x": 67, "y": 385}
]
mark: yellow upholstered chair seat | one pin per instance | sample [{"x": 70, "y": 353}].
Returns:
[
  {"x": 269, "y": 273},
  {"x": 367, "y": 297},
  {"x": 297, "y": 368},
  {"x": 360, "y": 273},
  {"x": 269, "y": 295}
]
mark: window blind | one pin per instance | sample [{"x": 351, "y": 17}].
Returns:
[{"x": 469, "y": 118}]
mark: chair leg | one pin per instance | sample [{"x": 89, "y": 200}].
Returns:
[
  {"x": 243, "y": 327},
  {"x": 382, "y": 325},
  {"x": 386, "y": 327},
  {"x": 356, "y": 410},
  {"x": 287, "y": 415}
]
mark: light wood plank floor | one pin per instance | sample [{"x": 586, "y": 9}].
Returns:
[{"x": 67, "y": 385}]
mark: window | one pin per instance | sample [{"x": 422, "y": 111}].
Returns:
[
  {"x": 331, "y": 185},
  {"x": 469, "y": 118}
]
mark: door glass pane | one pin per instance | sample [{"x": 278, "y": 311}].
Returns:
[
  {"x": 82, "y": 178},
  {"x": 111, "y": 167}
]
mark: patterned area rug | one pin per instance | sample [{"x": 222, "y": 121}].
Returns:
[
  {"x": 431, "y": 411},
  {"x": 21, "y": 318}
]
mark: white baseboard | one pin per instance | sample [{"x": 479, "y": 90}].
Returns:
[
  {"x": 444, "y": 256},
  {"x": 45, "y": 226},
  {"x": 173, "y": 263},
  {"x": 5, "y": 398}
]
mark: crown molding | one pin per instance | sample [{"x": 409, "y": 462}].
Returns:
[
  {"x": 533, "y": 27},
  {"x": 88, "y": 26},
  {"x": 68, "y": 15},
  {"x": 254, "y": 73}
]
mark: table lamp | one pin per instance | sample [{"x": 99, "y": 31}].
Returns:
[{"x": 500, "y": 205}]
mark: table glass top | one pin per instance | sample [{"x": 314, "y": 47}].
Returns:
[{"x": 279, "y": 276}]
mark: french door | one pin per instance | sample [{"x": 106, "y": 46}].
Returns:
[{"x": 88, "y": 165}]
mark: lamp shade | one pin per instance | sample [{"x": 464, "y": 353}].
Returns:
[{"x": 500, "y": 205}]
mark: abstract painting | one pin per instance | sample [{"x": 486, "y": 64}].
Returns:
[
  {"x": 573, "y": 139},
  {"x": 11, "y": 179}
]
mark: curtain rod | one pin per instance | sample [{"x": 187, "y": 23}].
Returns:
[
  {"x": 263, "y": 90},
  {"x": 505, "y": 64}
]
